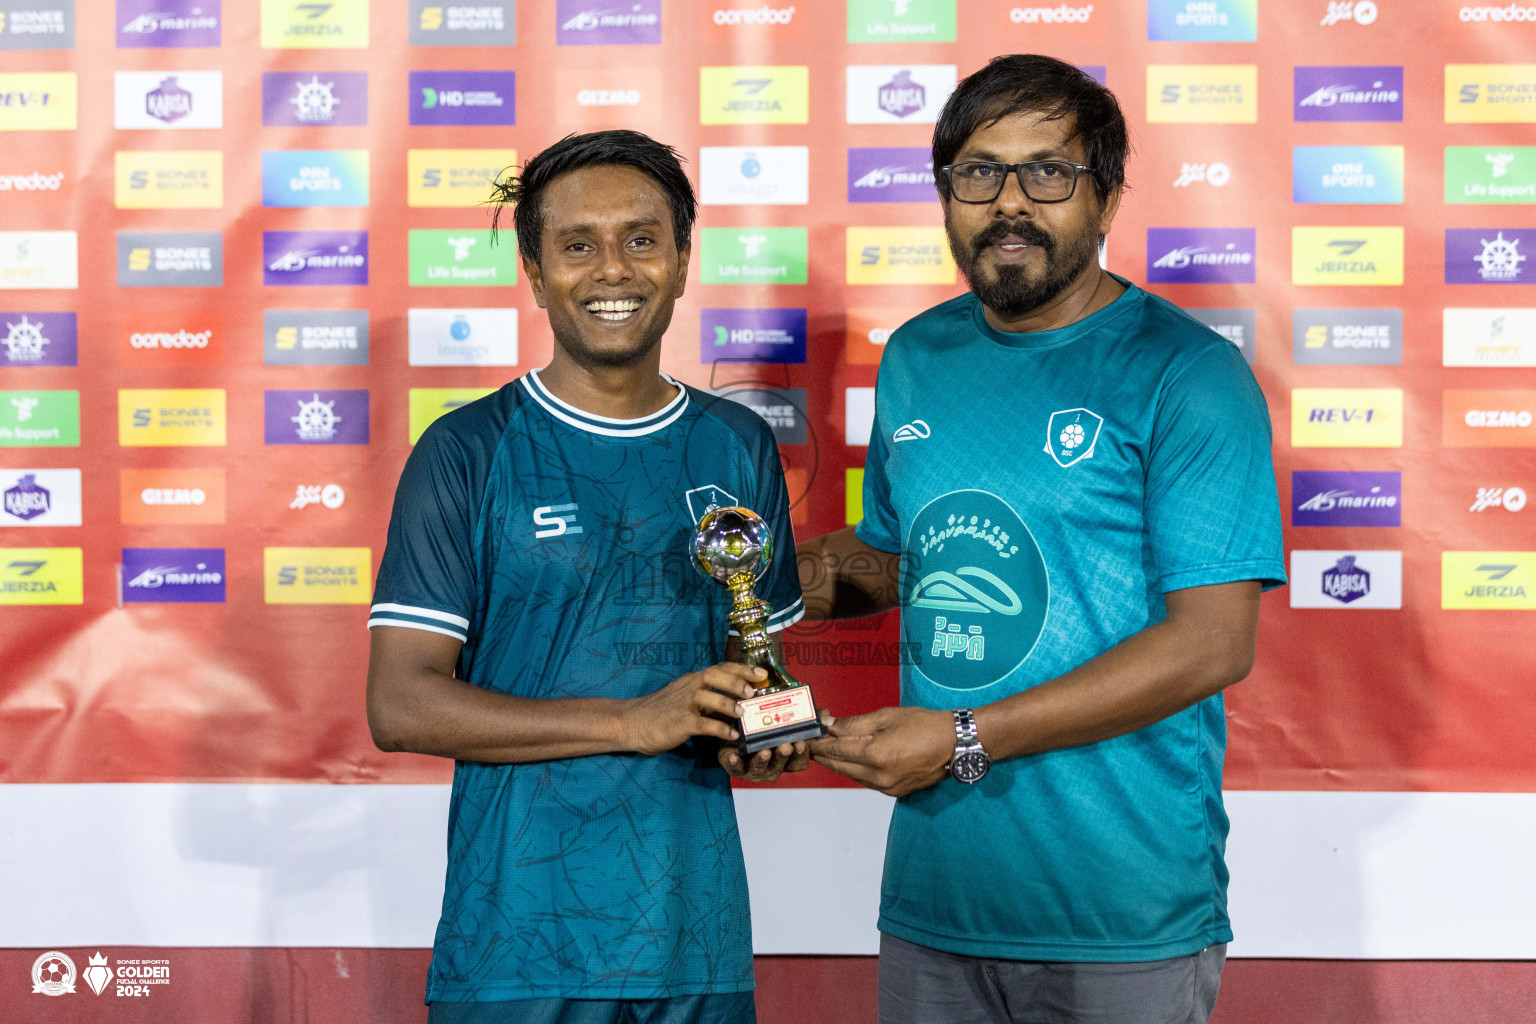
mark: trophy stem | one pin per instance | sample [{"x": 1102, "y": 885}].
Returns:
[{"x": 749, "y": 614}]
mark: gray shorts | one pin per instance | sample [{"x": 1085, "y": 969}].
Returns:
[{"x": 919, "y": 985}]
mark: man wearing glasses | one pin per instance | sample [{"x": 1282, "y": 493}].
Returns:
[{"x": 1069, "y": 496}]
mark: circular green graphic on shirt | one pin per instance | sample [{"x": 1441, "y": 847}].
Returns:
[{"x": 974, "y": 590}]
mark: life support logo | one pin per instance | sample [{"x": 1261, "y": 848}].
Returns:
[
  {"x": 1071, "y": 435},
  {"x": 975, "y": 590}
]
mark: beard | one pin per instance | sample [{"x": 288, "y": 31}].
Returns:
[{"x": 1010, "y": 290}]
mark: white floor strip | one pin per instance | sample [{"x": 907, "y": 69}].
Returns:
[{"x": 1375, "y": 875}]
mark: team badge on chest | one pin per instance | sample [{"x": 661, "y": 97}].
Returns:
[{"x": 1071, "y": 434}]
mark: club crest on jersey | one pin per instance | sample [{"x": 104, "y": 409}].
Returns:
[
  {"x": 703, "y": 500},
  {"x": 1071, "y": 434}
]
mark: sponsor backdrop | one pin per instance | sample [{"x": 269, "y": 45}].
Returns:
[{"x": 245, "y": 260}]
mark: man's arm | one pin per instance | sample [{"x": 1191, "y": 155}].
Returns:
[
  {"x": 415, "y": 704},
  {"x": 1205, "y": 644},
  {"x": 841, "y": 577}
]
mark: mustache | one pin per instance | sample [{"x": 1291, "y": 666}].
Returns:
[{"x": 1026, "y": 232}]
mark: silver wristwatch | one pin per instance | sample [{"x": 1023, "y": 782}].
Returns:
[{"x": 970, "y": 763}]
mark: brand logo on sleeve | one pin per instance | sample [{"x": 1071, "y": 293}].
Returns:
[
  {"x": 317, "y": 417},
  {"x": 156, "y": 23},
  {"x": 314, "y": 24},
  {"x": 463, "y": 337},
  {"x": 1490, "y": 93},
  {"x": 1203, "y": 21},
  {"x": 314, "y": 177},
  {"x": 753, "y": 255},
  {"x": 40, "y": 497},
  {"x": 1200, "y": 255},
  {"x": 37, "y": 24},
  {"x": 43, "y": 576},
  {"x": 314, "y": 257},
  {"x": 427, "y": 404},
  {"x": 901, "y": 21},
  {"x": 1202, "y": 93},
  {"x": 1492, "y": 580},
  {"x": 317, "y": 575},
  {"x": 1486, "y": 256},
  {"x": 172, "y": 497},
  {"x": 455, "y": 177},
  {"x": 1347, "y": 256},
  {"x": 596, "y": 23},
  {"x": 169, "y": 180},
  {"x": 1350, "y": 337},
  {"x": 1356, "y": 580},
  {"x": 1347, "y": 418},
  {"x": 326, "y": 98},
  {"x": 1347, "y": 174},
  {"x": 437, "y": 23},
  {"x": 463, "y": 97},
  {"x": 754, "y": 95},
  {"x": 38, "y": 101},
  {"x": 38, "y": 339},
  {"x": 1238, "y": 326},
  {"x": 898, "y": 93},
  {"x": 752, "y": 335},
  {"x": 315, "y": 337},
  {"x": 1348, "y": 93},
  {"x": 1326, "y": 498},
  {"x": 173, "y": 575}
]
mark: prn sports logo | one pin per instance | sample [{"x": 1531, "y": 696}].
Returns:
[
  {"x": 157, "y": 23},
  {"x": 599, "y": 23},
  {"x": 318, "y": 98},
  {"x": 1349, "y": 93},
  {"x": 38, "y": 339},
  {"x": 1484, "y": 256},
  {"x": 1200, "y": 255}
]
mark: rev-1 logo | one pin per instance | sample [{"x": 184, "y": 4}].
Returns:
[
  {"x": 1339, "y": 415},
  {"x": 555, "y": 520}
]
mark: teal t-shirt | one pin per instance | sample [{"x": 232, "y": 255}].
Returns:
[{"x": 1045, "y": 491}]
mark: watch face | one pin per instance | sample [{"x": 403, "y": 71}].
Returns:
[{"x": 970, "y": 766}]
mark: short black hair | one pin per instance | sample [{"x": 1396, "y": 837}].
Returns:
[
  {"x": 593, "y": 149},
  {"x": 1019, "y": 82}
]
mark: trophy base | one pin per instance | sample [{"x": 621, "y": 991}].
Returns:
[{"x": 781, "y": 715}]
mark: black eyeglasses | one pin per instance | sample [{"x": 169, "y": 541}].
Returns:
[{"x": 1043, "y": 181}]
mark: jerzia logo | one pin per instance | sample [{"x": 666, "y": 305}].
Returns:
[{"x": 1071, "y": 434}]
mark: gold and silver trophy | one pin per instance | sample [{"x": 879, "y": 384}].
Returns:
[{"x": 733, "y": 546}]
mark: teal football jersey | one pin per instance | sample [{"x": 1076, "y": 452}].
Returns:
[
  {"x": 1046, "y": 490},
  {"x": 554, "y": 544}
]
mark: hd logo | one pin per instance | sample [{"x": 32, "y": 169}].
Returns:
[
  {"x": 314, "y": 24},
  {"x": 1492, "y": 580},
  {"x": 170, "y": 180},
  {"x": 455, "y": 177},
  {"x": 1348, "y": 256},
  {"x": 41, "y": 576},
  {"x": 754, "y": 95},
  {"x": 317, "y": 575},
  {"x": 1202, "y": 93},
  {"x": 899, "y": 256},
  {"x": 1490, "y": 93}
]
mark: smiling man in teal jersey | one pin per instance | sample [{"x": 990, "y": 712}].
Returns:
[
  {"x": 1070, "y": 498},
  {"x": 537, "y": 619}
]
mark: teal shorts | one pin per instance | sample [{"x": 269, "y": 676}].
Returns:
[{"x": 720, "y": 1008}]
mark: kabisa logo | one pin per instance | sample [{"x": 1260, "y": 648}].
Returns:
[
  {"x": 1501, "y": 13},
  {"x": 154, "y": 23},
  {"x": 901, "y": 21},
  {"x": 1062, "y": 14},
  {"x": 462, "y": 337},
  {"x": 1488, "y": 337},
  {"x": 1349, "y": 93},
  {"x": 38, "y": 101},
  {"x": 752, "y": 335},
  {"x": 314, "y": 177},
  {"x": 1327, "y": 498},
  {"x": 38, "y": 339},
  {"x": 891, "y": 175},
  {"x": 1484, "y": 174},
  {"x": 1239, "y": 326},
  {"x": 328, "y": 98},
  {"x": 435, "y": 23},
  {"x": 754, "y": 95},
  {"x": 173, "y": 575},
  {"x": 1511, "y": 499},
  {"x": 37, "y": 25},
  {"x": 761, "y": 15},
  {"x": 754, "y": 175},
  {"x": 595, "y": 23},
  {"x": 975, "y": 589},
  {"x": 1478, "y": 256},
  {"x": 314, "y": 257},
  {"x": 1202, "y": 21},
  {"x": 1071, "y": 434},
  {"x": 315, "y": 337},
  {"x": 1347, "y": 174},
  {"x": 1346, "y": 581},
  {"x": 753, "y": 255},
  {"x": 26, "y": 499},
  {"x": 332, "y": 496},
  {"x": 1347, "y": 256},
  {"x": 314, "y": 24},
  {"x": 1216, "y": 174},
  {"x": 317, "y": 575},
  {"x": 902, "y": 96},
  {"x": 1347, "y": 337},
  {"x": 1200, "y": 255},
  {"x": 1489, "y": 580},
  {"x": 53, "y": 973},
  {"x": 316, "y": 417},
  {"x": 40, "y": 497},
  {"x": 1361, "y": 12},
  {"x": 898, "y": 94},
  {"x": 1490, "y": 93},
  {"x": 1202, "y": 93},
  {"x": 165, "y": 99},
  {"x": 463, "y": 97}
]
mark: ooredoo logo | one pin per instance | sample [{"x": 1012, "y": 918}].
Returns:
[
  {"x": 170, "y": 338},
  {"x": 1063, "y": 14},
  {"x": 764, "y": 15},
  {"x": 1509, "y": 12}
]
